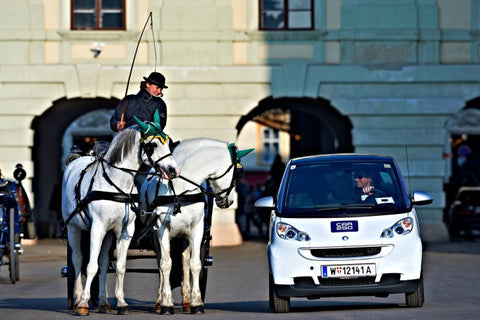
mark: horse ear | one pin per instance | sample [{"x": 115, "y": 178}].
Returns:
[
  {"x": 144, "y": 128},
  {"x": 243, "y": 153}
]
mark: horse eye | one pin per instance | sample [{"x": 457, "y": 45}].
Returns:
[{"x": 149, "y": 149}]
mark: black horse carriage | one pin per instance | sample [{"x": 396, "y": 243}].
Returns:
[
  {"x": 15, "y": 221},
  {"x": 220, "y": 177},
  {"x": 146, "y": 248}
]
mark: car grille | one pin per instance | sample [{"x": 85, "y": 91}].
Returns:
[
  {"x": 307, "y": 282},
  {"x": 346, "y": 282},
  {"x": 346, "y": 252}
]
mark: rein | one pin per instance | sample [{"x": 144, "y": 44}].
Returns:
[
  {"x": 103, "y": 160},
  {"x": 184, "y": 198},
  {"x": 207, "y": 192}
]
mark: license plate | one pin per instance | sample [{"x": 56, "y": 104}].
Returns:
[
  {"x": 349, "y": 270},
  {"x": 344, "y": 226}
]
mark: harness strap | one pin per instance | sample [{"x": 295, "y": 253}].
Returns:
[
  {"x": 220, "y": 176},
  {"x": 98, "y": 195},
  {"x": 176, "y": 203},
  {"x": 80, "y": 205},
  {"x": 182, "y": 199},
  {"x": 102, "y": 160},
  {"x": 101, "y": 195},
  {"x": 121, "y": 192},
  {"x": 112, "y": 196},
  {"x": 208, "y": 192}
]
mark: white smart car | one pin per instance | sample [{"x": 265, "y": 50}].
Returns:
[{"x": 344, "y": 225}]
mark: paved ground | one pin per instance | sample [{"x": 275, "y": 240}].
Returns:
[{"x": 56, "y": 250}]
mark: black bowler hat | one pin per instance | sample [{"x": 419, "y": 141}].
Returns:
[{"x": 156, "y": 78}]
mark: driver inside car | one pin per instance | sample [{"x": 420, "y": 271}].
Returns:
[{"x": 365, "y": 187}]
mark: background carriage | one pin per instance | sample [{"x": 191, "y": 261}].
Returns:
[{"x": 15, "y": 221}]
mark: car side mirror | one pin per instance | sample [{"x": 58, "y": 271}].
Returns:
[
  {"x": 421, "y": 198},
  {"x": 265, "y": 202}
]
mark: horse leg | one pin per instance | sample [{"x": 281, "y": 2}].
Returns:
[
  {"x": 74, "y": 238},
  {"x": 186, "y": 287},
  {"x": 104, "y": 260},
  {"x": 165, "y": 291},
  {"x": 122, "y": 251},
  {"x": 156, "y": 243},
  {"x": 196, "y": 267},
  {"x": 96, "y": 237}
]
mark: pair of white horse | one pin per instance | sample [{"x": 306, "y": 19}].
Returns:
[{"x": 97, "y": 196}]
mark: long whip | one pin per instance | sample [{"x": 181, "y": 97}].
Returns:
[{"x": 133, "y": 61}]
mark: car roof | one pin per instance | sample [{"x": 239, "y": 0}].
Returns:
[{"x": 341, "y": 157}]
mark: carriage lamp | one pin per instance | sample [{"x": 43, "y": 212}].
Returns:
[
  {"x": 402, "y": 227},
  {"x": 64, "y": 272},
  {"x": 288, "y": 232}
]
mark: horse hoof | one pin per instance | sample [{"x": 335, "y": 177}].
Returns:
[
  {"x": 197, "y": 310},
  {"x": 166, "y": 310},
  {"x": 186, "y": 307},
  {"x": 82, "y": 311},
  {"x": 105, "y": 308},
  {"x": 123, "y": 310},
  {"x": 158, "y": 308}
]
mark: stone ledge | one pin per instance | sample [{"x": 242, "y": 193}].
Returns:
[{"x": 226, "y": 234}]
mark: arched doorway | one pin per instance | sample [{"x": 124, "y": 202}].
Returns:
[
  {"x": 314, "y": 126},
  {"x": 47, "y": 155},
  {"x": 463, "y": 151}
]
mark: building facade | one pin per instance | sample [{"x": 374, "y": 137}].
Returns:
[{"x": 377, "y": 76}]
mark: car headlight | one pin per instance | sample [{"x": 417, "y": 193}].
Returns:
[
  {"x": 287, "y": 232},
  {"x": 402, "y": 227}
]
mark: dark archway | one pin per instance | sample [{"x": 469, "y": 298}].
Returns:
[
  {"x": 49, "y": 128},
  {"x": 315, "y": 127},
  {"x": 463, "y": 151}
]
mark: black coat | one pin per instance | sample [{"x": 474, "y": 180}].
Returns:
[{"x": 143, "y": 106}]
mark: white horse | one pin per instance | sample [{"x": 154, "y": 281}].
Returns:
[
  {"x": 201, "y": 160},
  {"x": 97, "y": 195}
]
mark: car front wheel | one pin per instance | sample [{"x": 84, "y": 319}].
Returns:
[
  {"x": 277, "y": 303},
  {"x": 416, "y": 298}
]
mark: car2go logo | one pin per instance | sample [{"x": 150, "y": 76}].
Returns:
[{"x": 344, "y": 226}]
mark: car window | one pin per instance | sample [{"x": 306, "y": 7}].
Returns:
[{"x": 335, "y": 185}]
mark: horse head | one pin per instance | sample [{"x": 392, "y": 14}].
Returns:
[
  {"x": 155, "y": 148},
  {"x": 225, "y": 183}
]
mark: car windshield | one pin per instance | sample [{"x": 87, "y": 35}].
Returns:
[{"x": 342, "y": 188}]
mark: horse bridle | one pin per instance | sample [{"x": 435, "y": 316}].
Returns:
[
  {"x": 238, "y": 173},
  {"x": 146, "y": 144}
]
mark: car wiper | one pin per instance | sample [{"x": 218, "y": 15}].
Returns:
[
  {"x": 338, "y": 207},
  {"x": 385, "y": 206}
]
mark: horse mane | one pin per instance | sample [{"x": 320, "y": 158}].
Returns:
[
  {"x": 123, "y": 145},
  {"x": 186, "y": 146}
]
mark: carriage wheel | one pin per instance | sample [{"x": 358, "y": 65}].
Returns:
[
  {"x": 207, "y": 261},
  {"x": 17, "y": 259},
  {"x": 13, "y": 253},
  {"x": 203, "y": 282},
  {"x": 70, "y": 277}
]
